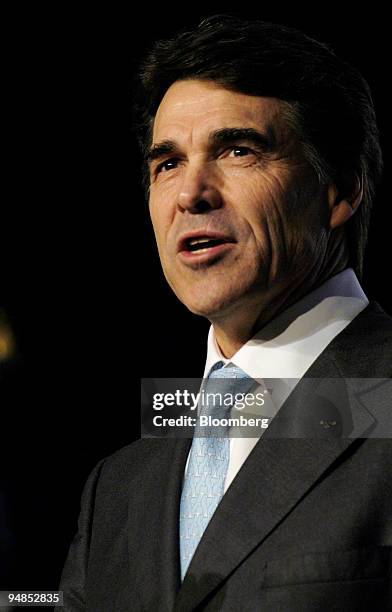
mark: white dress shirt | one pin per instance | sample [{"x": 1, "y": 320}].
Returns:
[{"x": 286, "y": 347}]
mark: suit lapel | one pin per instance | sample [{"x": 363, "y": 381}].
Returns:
[{"x": 277, "y": 474}]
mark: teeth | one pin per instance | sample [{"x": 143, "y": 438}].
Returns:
[
  {"x": 199, "y": 241},
  {"x": 199, "y": 251},
  {"x": 202, "y": 244}
]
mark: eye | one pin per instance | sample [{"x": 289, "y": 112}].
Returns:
[
  {"x": 168, "y": 164},
  {"x": 240, "y": 151}
]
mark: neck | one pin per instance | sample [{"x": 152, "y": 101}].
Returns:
[{"x": 232, "y": 330}]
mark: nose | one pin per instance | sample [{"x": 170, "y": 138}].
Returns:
[{"x": 199, "y": 192}]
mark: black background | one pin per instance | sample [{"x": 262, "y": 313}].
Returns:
[{"x": 80, "y": 277}]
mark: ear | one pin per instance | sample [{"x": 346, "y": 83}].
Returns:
[{"x": 344, "y": 200}]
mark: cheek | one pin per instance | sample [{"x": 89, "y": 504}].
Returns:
[
  {"x": 276, "y": 212},
  {"x": 159, "y": 224},
  {"x": 161, "y": 207},
  {"x": 260, "y": 200}
]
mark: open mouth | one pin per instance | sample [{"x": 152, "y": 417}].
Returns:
[
  {"x": 203, "y": 248},
  {"x": 202, "y": 244}
]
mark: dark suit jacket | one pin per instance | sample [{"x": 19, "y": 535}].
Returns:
[{"x": 305, "y": 526}]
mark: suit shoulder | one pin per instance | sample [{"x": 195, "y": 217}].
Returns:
[
  {"x": 129, "y": 460},
  {"x": 364, "y": 347}
]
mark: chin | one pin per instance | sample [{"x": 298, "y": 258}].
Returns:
[
  {"x": 211, "y": 306},
  {"x": 219, "y": 294}
]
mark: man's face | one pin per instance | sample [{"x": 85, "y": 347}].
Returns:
[{"x": 237, "y": 212}]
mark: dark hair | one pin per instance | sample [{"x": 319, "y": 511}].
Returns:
[{"x": 331, "y": 104}]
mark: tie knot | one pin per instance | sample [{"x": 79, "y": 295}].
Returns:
[
  {"x": 228, "y": 380},
  {"x": 219, "y": 370}
]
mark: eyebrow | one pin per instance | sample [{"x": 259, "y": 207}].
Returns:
[{"x": 223, "y": 136}]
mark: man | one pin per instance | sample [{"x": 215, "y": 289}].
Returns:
[{"x": 262, "y": 159}]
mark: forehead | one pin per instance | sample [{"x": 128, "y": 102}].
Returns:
[{"x": 199, "y": 106}]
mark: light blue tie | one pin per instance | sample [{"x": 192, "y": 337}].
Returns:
[{"x": 208, "y": 462}]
